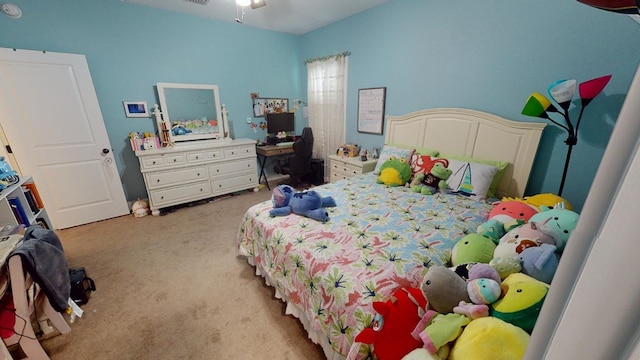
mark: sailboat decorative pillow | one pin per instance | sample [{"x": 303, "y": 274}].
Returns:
[{"x": 470, "y": 178}]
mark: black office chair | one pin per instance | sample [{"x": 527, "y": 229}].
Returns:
[{"x": 298, "y": 165}]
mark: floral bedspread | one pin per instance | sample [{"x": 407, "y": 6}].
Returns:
[{"x": 378, "y": 239}]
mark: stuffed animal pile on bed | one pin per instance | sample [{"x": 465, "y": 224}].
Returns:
[{"x": 486, "y": 303}]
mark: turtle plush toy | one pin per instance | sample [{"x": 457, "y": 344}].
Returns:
[{"x": 394, "y": 172}]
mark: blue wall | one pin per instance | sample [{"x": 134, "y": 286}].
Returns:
[
  {"x": 130, "y": 48},
  {"x": 490, "y": 55},
  {"x": 487, "y": 55}
]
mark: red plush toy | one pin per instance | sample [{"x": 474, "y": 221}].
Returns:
[{"x": 392, "y": 326}]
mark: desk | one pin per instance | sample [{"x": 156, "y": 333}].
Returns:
[{"x": 265, "y": 151}]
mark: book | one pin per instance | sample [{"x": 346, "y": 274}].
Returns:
[
  {"x": 18, "y": 211},
  {"x": 36, "y": 195},
  {"x": 30, "y": 200}
]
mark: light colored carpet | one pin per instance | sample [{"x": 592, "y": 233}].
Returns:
[{"x": 173, "y": 287}]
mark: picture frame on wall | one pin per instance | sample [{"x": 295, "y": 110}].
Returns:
[
  {"x": 135, "y": 109},
  {"x": 263, "y": 106},
  {"x": 371, "y": 102}
]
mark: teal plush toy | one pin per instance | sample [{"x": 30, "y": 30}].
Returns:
[
  {"x": 435, "y": 180},
  {"x": 560, "y": 220},
  {"x": 307, "y": 203},
  {"x": 394, "y": 172}
]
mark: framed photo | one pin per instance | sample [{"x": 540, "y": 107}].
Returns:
[
  {"x": 371, "y": 110},
  {"x": 263, "y": 106},
  {"x": 136, "y": 108}
]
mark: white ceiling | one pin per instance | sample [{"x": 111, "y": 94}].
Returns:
[{"x": 290, "y": 16}]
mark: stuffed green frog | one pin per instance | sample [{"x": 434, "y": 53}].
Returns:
[{"x": 427, "y": 184}]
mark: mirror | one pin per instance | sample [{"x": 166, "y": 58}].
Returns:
[{"x": 190, "y": 112}]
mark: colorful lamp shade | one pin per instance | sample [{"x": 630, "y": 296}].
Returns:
[
  {"x": 538, "y": 105},
  {"x": 591, "y": 88},
  {"x": 562, "y": 92}
]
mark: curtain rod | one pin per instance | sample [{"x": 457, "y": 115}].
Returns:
[{"x": 325, "y": 58}]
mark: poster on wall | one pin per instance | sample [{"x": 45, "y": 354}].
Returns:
[
  {"x": 371, "y": 110},
  {"x": 263, "y": 106}
]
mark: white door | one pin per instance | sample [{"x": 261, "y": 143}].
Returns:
[{"x": 50, "y": 114}]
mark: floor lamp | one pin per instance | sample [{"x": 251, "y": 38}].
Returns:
[{"x": 562, "y": 92}]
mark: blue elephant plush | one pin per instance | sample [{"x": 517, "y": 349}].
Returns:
[{"x": 309, "y": 203}]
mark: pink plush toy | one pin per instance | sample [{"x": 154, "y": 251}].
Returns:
[{"x": 512, "y": 213}]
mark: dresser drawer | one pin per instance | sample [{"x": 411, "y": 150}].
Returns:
[
  {"x": 196, "y": 157},
  {"x": 180, "y": 176},
  {"x": 240, "y": 151},
  {"x": 224, "y": 186},
  {"x": 225, "y": 169},
  {"x": 183, "y": 193}
]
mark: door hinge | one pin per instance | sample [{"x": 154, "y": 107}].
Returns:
[{"x": 8, "y": 147}]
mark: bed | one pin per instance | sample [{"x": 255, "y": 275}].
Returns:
[{"x": 380, "y": 238}]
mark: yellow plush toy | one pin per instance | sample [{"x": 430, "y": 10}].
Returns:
[
  {"x": 490, "y": 338},
  {"x": 538, "y": 201},
  {"x": 522, "y": 301}
]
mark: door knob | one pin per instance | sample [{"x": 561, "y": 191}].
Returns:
[{"x": 105, "y": 151}]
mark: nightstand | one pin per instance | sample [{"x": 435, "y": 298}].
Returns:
[{"x": 346, "y": 167}]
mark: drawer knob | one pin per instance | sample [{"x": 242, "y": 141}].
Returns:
[
  {"x": 158, "y": 180},
  {"x": 161, "y": 197},
  {"x": 154, "y": 162},
  {"x": 197, "y": 157},
  {"x": 198, "y": 174},
  {"x": 174, "y": 160}
]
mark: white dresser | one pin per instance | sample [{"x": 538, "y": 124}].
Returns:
[
  {"x": 345, "y": 167},
  {"x": 197, "y": 170}
]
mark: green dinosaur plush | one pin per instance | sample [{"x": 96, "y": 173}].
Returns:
[
  {"x": 431, "y": 182},
  {"x": 394, "y": 172}
]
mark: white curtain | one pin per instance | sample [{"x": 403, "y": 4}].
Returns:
[{"x": 326, "y": 102}]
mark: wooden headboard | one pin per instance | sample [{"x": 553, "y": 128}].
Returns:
[{"x": 472, "y": 133}]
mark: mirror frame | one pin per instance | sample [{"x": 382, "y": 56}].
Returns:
[{"x": 166, "y": 119}]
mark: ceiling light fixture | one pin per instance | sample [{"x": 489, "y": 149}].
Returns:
[
  {"x": 11, "y": 10},
  {"x": 243, "y": 2}
]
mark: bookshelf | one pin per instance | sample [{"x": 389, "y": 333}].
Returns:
[{"x": 21, "y": 204}]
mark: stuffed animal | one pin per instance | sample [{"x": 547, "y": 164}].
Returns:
[
  {"x": 483, "y": 285},
  {"x": 472, "y": 248},
  {"x": 490, "y": 338},
  {"x": 521, "y": 302},
  {"x": 543, "y": 200},
  {"x": 396, "y": 318},
  {"x": 394, "y": 172},
  {"x": 424, "y": 354},
  {"x": 560, "y": 220},
  {"x": 493, "y": 229},
  {"x": 506, "y": 266},
  {"x": 540, "y": 262},
  {"x": 437, "y": 330},
  {"x": 512, "y": 213},
  {"x": 444, "y": 289},
  {"x": 179, "y": 130},
  {"x": 307, "y": 203},
  {"x": 429, "y": 183},
  {"x": 524, "y": 236}
]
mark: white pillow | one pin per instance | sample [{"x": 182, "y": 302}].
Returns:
[{"x": 470, "y": 178}]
